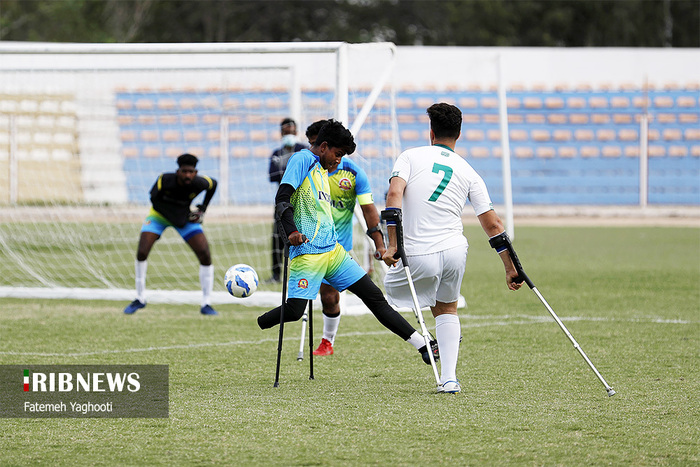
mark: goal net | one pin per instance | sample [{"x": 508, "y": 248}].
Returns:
[{"x": 85, "y": 130}]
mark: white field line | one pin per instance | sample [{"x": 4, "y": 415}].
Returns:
[{"x": 506, "y": 320}]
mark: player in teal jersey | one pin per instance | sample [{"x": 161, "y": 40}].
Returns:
[
  {"x": 304, "y": 210},
  {"x": 349, "y": 184}
]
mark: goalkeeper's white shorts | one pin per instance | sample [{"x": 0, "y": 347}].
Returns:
[{"x": 436, "y": 276}]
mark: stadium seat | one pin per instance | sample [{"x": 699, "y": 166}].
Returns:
[
  {"x": 523, "y": 152},
  {"x": 515, "y": 118},
  {"x": 241, "y": 151},
  {"x": 546, "y": 152},
  {"x": 590, "y": 151},
  {"x": 612, "y": 151},
  {"x": 512, "y": 102},
  {"x": 479, "y": 152},
  {"x": 600, "y": 119},
  {"x": 535, "y": 119},
  {"x": 657, "y": 150},
  {"x": 193, "y": 135},
  {"x": 557, "y": 119},
  {"x": 562, "y": 135},
  {"x": 567, "y": 151},
  {"x": 626, "y": 134},
  {"x": 576, "y": 102},
  {"x": 554, "y": 103},
  {"x": 620, "y": 102},
  {"x": 672, "y": 134},
  {"x": 474, "y": 135},
  {"x": 532, "y": 103},
  {"x": 172, "y": 135},
  {"x": 686, "y": 101},
  {"x": 210, "y": 119},
  {"x": 144, "y": 104},
  {"x": 663, "y": 102},
  {"x": 632, "y": 151},
  {"x": 489, "y": 103},
  {"x": 678, "y": 151},
  {"x": 468, "y": 103},
  {"x": 189, "y": 119},
  {"x": 540, "y": 135},
  {"x": 598, "y": 102},
  {"x": 518, "y": 135},
  {"x": 258, "y": 135},
  {"x": 252, "y": 103},
  {"x": 152, "y": 151},
  {"x": 168, "y": 119},
  {"x": 622, "y": 119},
  {"x": 666, "y": 118},
  {"x": 605, "y": 135},
  {"x": 145, "y": 120},
  {"x": 128, "y": 135},
  {"x": 148, "y": 135},
  {"x": 166, "y": 103},
  {"x": 688, "y": 118},
  {"x": 692, "y": 134},
  {"x": 237, "y": 135},
  {"x": 578, "y": 118},
  {"x": 583, "y": 135}
]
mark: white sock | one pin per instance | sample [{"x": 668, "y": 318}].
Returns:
[
  {"x": 206, "y": 280},
  {"x": 330, "y": 327},
  {"x": 448, "y": 332},
  {"x": 140, "y": 268},
  {"x": 416, "y": 340}
]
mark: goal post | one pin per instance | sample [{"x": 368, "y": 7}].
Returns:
[{"x": 85, "y": 129}]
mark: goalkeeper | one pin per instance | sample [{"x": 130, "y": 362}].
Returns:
[
  {"x": 304, "y": 210},
  {"x": 171, "y": 196}
]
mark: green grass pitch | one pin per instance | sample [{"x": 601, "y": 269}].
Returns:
[{"x": 630, "y": 296}]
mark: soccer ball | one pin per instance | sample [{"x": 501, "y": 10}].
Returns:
[{"x": 241, "y": 280}]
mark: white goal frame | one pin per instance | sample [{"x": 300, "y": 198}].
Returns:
[{"x": 17, "y": 57}]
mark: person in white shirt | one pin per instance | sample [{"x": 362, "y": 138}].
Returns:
[{"x": 431, "y": 185}]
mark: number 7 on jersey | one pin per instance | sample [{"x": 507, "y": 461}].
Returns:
[{"x": 437, "y": 168}]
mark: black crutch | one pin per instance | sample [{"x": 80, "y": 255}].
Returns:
[
  {"x": 311, "y": 339},
  {"x": 284, "y": 300}
]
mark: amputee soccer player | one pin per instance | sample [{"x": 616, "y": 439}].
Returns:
[
  {"x": 303, "y": 207},
  {"x": 348, "y": 183},
  {"x": 171, "y": 196},
  {"x": 431, "y": 185}
]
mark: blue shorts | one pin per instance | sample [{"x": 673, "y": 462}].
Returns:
[
  {"x": 306, "y": 272},
  {"x": 156, "y": 224}
]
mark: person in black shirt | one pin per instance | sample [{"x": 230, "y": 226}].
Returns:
[
  {"x": 171, "y": 196},
  {"x": 278, "y": 163}
]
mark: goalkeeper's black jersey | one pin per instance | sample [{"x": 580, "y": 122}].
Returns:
[{"x": 173, "y": 200}]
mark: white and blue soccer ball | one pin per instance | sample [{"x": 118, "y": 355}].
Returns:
[{"x": 241, "y": 280}]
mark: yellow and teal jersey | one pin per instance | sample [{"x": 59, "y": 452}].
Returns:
[
  {"x": 312, "y": 203},
  {"x": 348, "y": 184}
]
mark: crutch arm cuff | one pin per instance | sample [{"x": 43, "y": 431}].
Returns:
[
  {"x": 391, "y": 215},
  {"x": 500, "y": 242}
]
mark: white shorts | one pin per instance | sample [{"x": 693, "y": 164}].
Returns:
[{"x": 436, "y": 276}]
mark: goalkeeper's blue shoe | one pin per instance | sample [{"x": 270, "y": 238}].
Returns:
[
  {"x": 133, "y": 306},
  {"x": 208, "y": 310}
]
